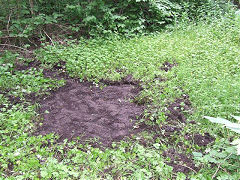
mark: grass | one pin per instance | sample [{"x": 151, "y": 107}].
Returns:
[{"x": 208, "y": 62}]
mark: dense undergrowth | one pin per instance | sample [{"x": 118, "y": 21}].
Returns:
[
  {"x": 207, "y": 62},
  {"x": 30, "y": 22}
]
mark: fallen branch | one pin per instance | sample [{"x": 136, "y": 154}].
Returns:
[{"x": 15, "y": 47}]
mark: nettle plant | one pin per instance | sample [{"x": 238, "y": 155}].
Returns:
[{"x": 232, "y": 126}]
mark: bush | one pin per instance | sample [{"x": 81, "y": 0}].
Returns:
[{"x": 102, "y": 17}]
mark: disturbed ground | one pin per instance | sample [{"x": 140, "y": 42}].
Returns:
[
  {"x": 180, "y": 161},
  {"x": 167, "y": 132},
  {"x": 82, "y": 109},
  {"x": 110, "y": 114}
]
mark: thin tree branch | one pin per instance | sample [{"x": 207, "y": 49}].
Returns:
[
  {"x": 189, "y": 168},
  {"x": 9, "y": 19},
  {"x": 32, "y": 7},
  {"x": 15, "y": 47},
  {"x": 49, "y": 38},
  {"x": 219, "y": 166}
]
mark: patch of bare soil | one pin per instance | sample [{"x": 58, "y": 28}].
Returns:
[
  {"x": 176, "y": 119},
  {"x": 19, "y": 66},
  {"x": 200, "y": 140},
  {"x": 177, "y": 108},
  {"x": 179, "y": 161},
  {"x": 82, "y": 109},
  {"x": 12, "y": 99},
  {"x": 203, "y": 140}
]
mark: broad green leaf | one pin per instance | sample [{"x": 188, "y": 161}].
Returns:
[
  {"x": 237, "y": 118},
  {"x": 218, "y": 120},
  {"x": 238, "y": 149},
  {"x": 236, "y": 142},
  {"x": 237, "y": 130},
  {"x": 233, "y": 125}
]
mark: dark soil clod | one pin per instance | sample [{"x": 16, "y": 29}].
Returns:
[
  {"x": 177, "y": 108},
  {"x": 60, "y": 65},
  {"x": 167, "y": 66},
  {"x": 203, "y": 140},
  {"x": 171, "y": 129},
  {"x": 82, "y": 109},
  {"x": 12, "y": 100},
  {"x": 179, "y": 161},
  {"x": 20, "y": 66}
]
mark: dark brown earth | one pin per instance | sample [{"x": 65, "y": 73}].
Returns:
[
  {"x": 175, "y": 117},
  {"x": 86, "y": 111},
  {"x": 177, "y": 108},
  {"x": 203, "y": 140},
  {"x": 200, "y": 140},
  {"x": 179, "y": 161},
  {"x": 19, "y": 66},
  {"x": 176, "y": 120},
  {"x": 12, "y": 99},
  {"x": 82, "y": 109},
  {"x": 167, "y": 66}
]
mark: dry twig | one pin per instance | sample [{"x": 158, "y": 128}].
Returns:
[
  {"x": 219, "y": 166},
  {"x": 15, "y": 47},
  {"x": 49, "y": 38}
]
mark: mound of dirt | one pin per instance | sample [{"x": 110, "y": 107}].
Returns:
[{"x": 82, "y": 109}]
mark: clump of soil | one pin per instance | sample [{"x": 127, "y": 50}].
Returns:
[
  {"x": 180, "y": 162},
  {"x": 82, "y": 109},
  {"x": 203, "y": 140},
  {"x": 12, "y": 100},
  {"x": 167, "y": 66},
  {"x": 200, "y": 140},
  {"x": 175, "y": 119},
  {"x": 20, "y": 66},
  {"x": 177, "y": 108}
]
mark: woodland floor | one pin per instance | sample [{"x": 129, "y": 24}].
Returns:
[
  {"x": 107, "y": 114},
  {"x": 121, "y": 109}
]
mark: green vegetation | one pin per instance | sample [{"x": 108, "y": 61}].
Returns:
[
  {"x": 233, "y": 126},
  {"x": 28, "y": 20},
  {"x": 206, "y": 55},
  {"x": 208, "y": 60}
]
